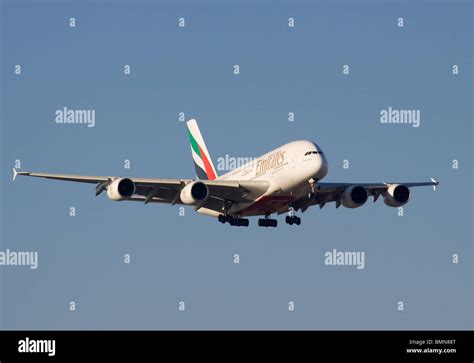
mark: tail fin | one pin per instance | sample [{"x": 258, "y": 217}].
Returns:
[{"x": 202, "y": 159}]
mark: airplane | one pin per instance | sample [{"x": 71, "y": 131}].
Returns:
[{"x": 284, "y": 180}]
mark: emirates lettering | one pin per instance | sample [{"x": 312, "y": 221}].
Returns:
[{"x": 272, "y": 161}]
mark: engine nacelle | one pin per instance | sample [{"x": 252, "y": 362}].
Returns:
[
  {"x": 396, "y": 195},
  {"x": 195, "y": 192},
  {"x": 121, "y": 189},
  {"x": 354, "y": 196}
]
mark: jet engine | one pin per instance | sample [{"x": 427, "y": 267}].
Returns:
[
  {"x": 195, "y": 192},
  {"x": 354, "y": 196},
  {"x": 396, "y": 195},
  {"x": 121, "y": 189}
]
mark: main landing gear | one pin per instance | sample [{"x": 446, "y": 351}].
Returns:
[
  {"x": 267, "y": 222},
  {"x": 239, "y": 222}
]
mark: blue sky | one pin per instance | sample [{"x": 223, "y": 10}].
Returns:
[{"x": 190, "y": 258}]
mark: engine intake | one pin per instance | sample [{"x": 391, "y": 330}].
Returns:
[
  {"x": 354, "y": 196},
  {"x": 396, "y": 195},
  {"x": 195, "y": 192},
  {"x": 121, "y": 189}
]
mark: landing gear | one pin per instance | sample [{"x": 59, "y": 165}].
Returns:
[
  {"x": 233, "y": 221},
  {"x": 267, "y": 222},
  {"x": 312, "y": 184},
  {"x": 314, "y": 187},
  {"x": 239, "y": 222},
  {"x": 291, "y": 218}
]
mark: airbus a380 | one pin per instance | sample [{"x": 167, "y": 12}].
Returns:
[{"x": 284, "y": 180}]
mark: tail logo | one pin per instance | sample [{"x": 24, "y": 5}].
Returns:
[{"x": 202, "y": 160}]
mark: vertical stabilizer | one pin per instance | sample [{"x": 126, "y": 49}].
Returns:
[{"x": 202, "y": 160}]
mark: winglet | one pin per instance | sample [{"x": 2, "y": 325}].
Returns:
[
  {"x": 435, "y": 183},
  {"x": 16, "y": 172}
]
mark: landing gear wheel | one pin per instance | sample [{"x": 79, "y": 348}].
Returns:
[
  {"x": 266, "y": 222},
  {"x": 293, "y": 220},
  {"x": 239, "y": 222}
]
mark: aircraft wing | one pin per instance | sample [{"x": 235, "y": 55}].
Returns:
[
  {"x": 168, "y": 190},
  {"x": 332, "y": 192}
]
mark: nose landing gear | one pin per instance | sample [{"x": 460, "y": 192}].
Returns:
[{"x": 291, "y": 218}]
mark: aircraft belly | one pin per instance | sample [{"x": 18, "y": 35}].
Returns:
[{"x": 266, "y": 205}]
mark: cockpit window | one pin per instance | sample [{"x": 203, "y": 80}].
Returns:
[{"x": 312, "y": 152}]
